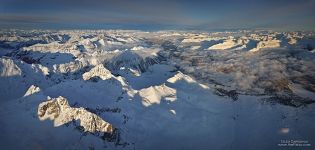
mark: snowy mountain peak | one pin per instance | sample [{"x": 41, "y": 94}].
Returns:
[
  {"x": 180, "y": 76},
  {"x": 31, "y": 90},
  {"x": 59, "y": 110},
  {"x": 9, "y": 68},
  {"x": 154, "y": 94},
  {"x": 227, "y": 44},
  {"x": 98, "y": 71}
]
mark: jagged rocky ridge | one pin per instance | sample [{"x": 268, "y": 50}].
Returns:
[{"x": 60, "y": 112}]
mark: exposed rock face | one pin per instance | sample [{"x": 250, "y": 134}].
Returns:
[
  {"x": 60, "y": 112},
  {"x": 69, "y": 67},
  {"x": 98, "y": 71},
  {"x": 138, "y": 60}
]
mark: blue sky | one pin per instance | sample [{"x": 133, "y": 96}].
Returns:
[{"x": 159, "y": 14}]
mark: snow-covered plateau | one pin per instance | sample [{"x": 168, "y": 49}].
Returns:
[{"x": 125, "y": 89}]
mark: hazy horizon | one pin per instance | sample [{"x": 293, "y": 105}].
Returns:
[{"x": 158, "y": 15}]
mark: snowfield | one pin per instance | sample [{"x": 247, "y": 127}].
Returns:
[{"x": 125, "y": 89}]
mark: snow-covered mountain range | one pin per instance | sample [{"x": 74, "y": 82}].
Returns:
[{"x": 125, "y": 89}]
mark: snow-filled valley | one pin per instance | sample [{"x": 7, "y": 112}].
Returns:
[{"x": 126, "y": 89}]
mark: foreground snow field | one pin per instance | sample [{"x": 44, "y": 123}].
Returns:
[{"x": 120, "y": 89}]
